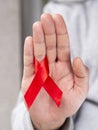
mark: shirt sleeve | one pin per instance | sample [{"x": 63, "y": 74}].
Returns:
[{"x": 20, "y": 119}]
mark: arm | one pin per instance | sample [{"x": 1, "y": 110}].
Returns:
[{"x": 44, "y": 113}]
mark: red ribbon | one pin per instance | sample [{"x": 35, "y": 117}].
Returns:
[{"x": 42, "y": 78}]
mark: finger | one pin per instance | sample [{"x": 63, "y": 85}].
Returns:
[
  {"x": 81, "y": 72},
  {"x": 28, "y": 58},
  {"x": 50, "y": 36},
  {"x": 63, "y": 51},
  {"x": 39, "y": 42}
]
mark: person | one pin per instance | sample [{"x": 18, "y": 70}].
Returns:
[{"x": 71, "y": 49}]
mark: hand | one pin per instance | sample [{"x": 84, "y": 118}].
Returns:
[{"x": 50, "y": 37}]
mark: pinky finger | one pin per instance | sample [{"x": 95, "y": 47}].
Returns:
[{"x": 28, "y": 58}]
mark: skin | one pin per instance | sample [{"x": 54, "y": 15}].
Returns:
[{"x": 50, "y": 37}]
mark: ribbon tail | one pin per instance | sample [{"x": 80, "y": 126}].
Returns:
[
  {"x": 33, "y": 89},
  {"x": 31, "y": 93},
  {"x": 53, "y": 90}
]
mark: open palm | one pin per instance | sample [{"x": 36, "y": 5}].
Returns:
[{"x": 50, "y": 38}]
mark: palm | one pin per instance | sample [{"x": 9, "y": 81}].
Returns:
[
  {"x": 62, "y": 74},
  {"x": 64, "y": 78},
  {"x": 72, "y": 80}
]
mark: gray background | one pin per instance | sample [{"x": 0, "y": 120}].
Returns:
[{"x": 16, "y": 18}]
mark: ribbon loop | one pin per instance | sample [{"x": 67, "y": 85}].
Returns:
[{"x": 42, "y": 78}]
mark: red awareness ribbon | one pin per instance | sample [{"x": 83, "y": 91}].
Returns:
[{"x": 42, "y": 79}]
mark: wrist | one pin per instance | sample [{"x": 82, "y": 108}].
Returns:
[
  {"x": 39, "y": 126},
  {"x": 50, "y": 125}
]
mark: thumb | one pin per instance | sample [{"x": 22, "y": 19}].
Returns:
[{"x": 80, "y": 72}]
